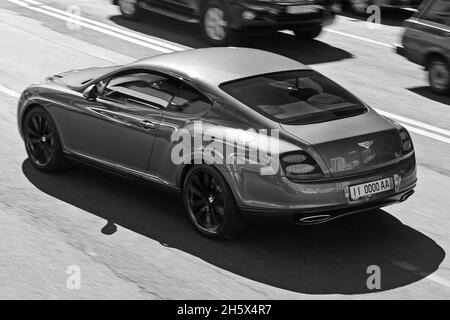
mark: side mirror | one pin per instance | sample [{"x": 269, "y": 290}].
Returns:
[{"x": 91, "y": 92}]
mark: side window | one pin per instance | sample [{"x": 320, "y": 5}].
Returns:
[
  {"x": 190, "y": 101},
  {"x": 438, "y": 12},
  {"x": 142, "y": 88}
]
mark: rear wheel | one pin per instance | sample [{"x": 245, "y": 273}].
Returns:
[
  {"x": 130, "y": 9},
  {"x": 216, "y": 25},
  {"x": 308, "y": 33},
  {"x": 210, "y": 204},
  {"x": 42, "y": 141},
  {"x": 439, "y": 75}
]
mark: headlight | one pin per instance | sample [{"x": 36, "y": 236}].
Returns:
[{"x": 300, "y": 166}]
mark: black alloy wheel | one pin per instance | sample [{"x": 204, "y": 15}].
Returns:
[
  {"x": 210, "y": 203},
  {"x": 42, "y": 141}
]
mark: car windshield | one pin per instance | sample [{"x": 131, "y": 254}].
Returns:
[{"x": 295, "y": 97}]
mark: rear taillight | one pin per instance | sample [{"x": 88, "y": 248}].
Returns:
[
  {"x": 300, "y": 165},
  {"x": 405, "y": 140}
]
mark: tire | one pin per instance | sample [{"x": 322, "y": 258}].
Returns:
[
  {"x": 439, "y": 75},
  {"x": 130, "y": 9},
  {"x": 210, "y": 204},
  {"x": 42, "y": 141},
  {"x": 308, "y": 33},
  {"x": 215, "y": 24}
]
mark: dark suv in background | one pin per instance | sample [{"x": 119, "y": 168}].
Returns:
[
  {"x": 221, "y": 20},
  {"x": 426, "y": 41}
]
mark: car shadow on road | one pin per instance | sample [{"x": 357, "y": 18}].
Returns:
[
  {"x": 323, "y": 259},
  {"x": 427, "y": 93},
  {"x": 306, "y": 52}
]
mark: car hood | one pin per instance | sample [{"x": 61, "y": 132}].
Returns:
[
  {"x": 77, "y": 78},
  {"x": 353, "y": 144}
]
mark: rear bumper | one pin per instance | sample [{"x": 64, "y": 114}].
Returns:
[
  {"x": 323, "y": 214},
  {"x": 273, "y": 196}
]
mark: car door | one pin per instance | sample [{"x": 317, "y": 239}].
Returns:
[
  {"x": 118, "y": 127},
  {"x": 187, "y": 106}
]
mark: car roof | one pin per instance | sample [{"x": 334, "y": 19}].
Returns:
[{"x": 214, "y": 66}]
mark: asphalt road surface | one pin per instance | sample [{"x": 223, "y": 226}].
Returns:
[{"x": 134, "y": 241}]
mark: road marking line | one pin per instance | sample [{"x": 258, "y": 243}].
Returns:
[
  {"x": 9, "y": 92},
  {"x": 359, "y": 38},
  {"x": 413, "y": 122},
  {"x": 93, "y": 27},
  {"x": 427, "y": 134},
  {"x": 348, "y": 35},
  {"x": 153, "y": 40}
]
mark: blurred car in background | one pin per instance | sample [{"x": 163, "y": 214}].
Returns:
[
  {"x": 360, "y": 6},
  {"x": 221, "y": 20},
  {"x": 426, "y": 41}
]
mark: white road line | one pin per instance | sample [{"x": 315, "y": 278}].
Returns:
[
  {"x": 413, "y": 122},
  {"x": 359, "y": 38},
  {"x": 145, "y": 41},
  {"x": 9, "y": 92},
  {"x": 427, "y": 134},
  {"x": 391, "y": 46},
  {"x": 93, "y": 27},
  {"x": 153, "y": 40}
]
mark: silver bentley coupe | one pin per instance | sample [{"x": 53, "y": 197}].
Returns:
[{"x": 244, "y": 135}]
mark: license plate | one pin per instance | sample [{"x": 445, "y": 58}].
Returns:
[
  {"x": 302, "y": 9},
  {"x": 369, "y": 188}
]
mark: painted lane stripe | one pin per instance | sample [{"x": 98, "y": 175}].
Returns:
[
  {"x": 93, "y": 27},
  {"x": 153, "y": 40},
  {"x": 427, "y": 134},
  {"x": 9, "y": 92},
  {"x": 413, "y": 122}
]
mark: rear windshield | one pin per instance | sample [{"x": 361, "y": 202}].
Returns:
[{"x": 295, "y": 97}]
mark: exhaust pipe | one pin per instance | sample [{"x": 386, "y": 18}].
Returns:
[
  {"x": 314, "y": 219},
  {"x": 407, "y": 195}
]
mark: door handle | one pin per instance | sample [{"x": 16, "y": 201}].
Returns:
[{"x": 148, "y": 125}]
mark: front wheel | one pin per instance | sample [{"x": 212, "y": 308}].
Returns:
[
  {"x": 216, "y": 25},
  {"x": 308, "y": 33},
  {"x": 130, "y": 9},
  {"x": 439, "y": 75},
  {"x": 42, "y": 141},
  {"x": 210, "y": 204}
]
